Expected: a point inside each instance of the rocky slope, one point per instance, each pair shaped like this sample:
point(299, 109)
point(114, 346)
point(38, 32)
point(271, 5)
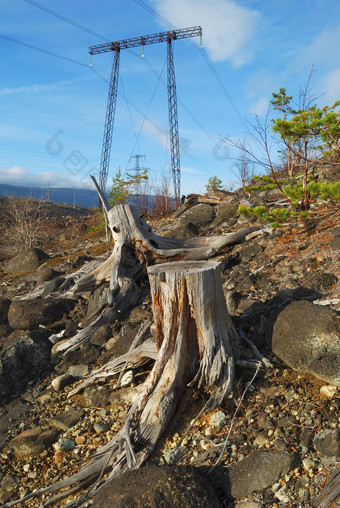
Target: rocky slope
point(280, 442)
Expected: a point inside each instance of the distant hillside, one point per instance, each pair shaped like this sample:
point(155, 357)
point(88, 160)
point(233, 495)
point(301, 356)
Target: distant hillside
point(83, 197)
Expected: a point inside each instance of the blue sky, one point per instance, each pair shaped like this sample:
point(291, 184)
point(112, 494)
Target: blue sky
point(52, 110)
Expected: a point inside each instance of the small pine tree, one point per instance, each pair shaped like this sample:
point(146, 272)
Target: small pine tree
point(214, 184)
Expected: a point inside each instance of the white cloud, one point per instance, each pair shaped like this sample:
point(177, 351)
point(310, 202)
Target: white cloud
point(228, 28)
point(322, 51)
point(19, 175)
point(157, 131)
point(332, 86)
point(41, 88)
point(260, 107)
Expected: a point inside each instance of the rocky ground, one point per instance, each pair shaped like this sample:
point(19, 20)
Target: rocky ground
point(276, 446)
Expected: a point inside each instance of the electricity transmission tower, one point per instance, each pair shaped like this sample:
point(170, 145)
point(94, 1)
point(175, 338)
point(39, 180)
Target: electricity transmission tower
point(137, 188)
point(133, 42)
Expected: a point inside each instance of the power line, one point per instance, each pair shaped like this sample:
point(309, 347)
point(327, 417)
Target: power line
point(41, 50)
point(130, 51)
point(140, 112)
point(131, 120)
point(148, 109)
point(67, 20)
point(206, 58)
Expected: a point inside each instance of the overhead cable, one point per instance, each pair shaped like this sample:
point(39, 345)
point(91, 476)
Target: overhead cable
point(67, 20)
point(41, 50)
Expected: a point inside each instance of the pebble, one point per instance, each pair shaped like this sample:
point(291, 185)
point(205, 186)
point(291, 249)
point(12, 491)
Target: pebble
point(174, 455)
point(60, 382)
point(328, 391)
point(127, 378)
point(59, 456)
point(101, 427)
point(309, 465)
point(66, 445)
point(218, 420)
point(77, 371)
point(80, 440)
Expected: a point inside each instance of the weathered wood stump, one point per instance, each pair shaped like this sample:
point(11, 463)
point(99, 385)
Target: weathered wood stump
point(197, 345)
point(137, 247)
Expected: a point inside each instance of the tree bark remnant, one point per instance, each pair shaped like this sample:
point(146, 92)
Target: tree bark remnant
point(197, 345)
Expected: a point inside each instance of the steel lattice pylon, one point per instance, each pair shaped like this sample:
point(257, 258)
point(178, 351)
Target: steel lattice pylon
point(144, 40)
point(173, 125)
point(109, 122)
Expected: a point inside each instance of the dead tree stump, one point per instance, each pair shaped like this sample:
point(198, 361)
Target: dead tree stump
point(192, 325)
point(197, 345)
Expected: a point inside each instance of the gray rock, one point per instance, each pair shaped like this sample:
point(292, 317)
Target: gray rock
point(186, 230)
point(327, 442)
point(161, 487)
point(97, 396)
point(52, 285)
point(322, 282)
point(67, 420)
point(5, 331)
point(33, 441)
point(99, 428)
point(97, 299)
point(260, 470)
point(9, 482)
point(4, 307)
point(78, 370)
point(198, 215)
point(287, 421)
point(66, 445)
point(307, 338)
point(16, 412)
point(26, 261)
point(59, 383)
point(174, 455)
point(225, 212)
point(101, 335)
point(218, 420)
point(29, 314)
point(25, 357)
point(46, 273)
point(335, 244)
point(251, 251)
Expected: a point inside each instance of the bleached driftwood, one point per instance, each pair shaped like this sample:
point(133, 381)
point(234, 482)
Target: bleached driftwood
point(197, 345)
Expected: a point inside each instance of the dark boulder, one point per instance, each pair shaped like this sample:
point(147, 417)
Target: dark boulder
point(4, 307)
point(46, 273)
point(24, 358)
point(97, 299)
point(52, 285)
point(26, 261)
point(307, 338)
point(199, 215)
point(161, 487)
point(260, 470)
point(33, 441)
point(30, 314)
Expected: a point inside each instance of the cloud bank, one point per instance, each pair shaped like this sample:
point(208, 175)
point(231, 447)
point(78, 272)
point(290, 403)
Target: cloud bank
point(228, 28)
point(19, 175)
